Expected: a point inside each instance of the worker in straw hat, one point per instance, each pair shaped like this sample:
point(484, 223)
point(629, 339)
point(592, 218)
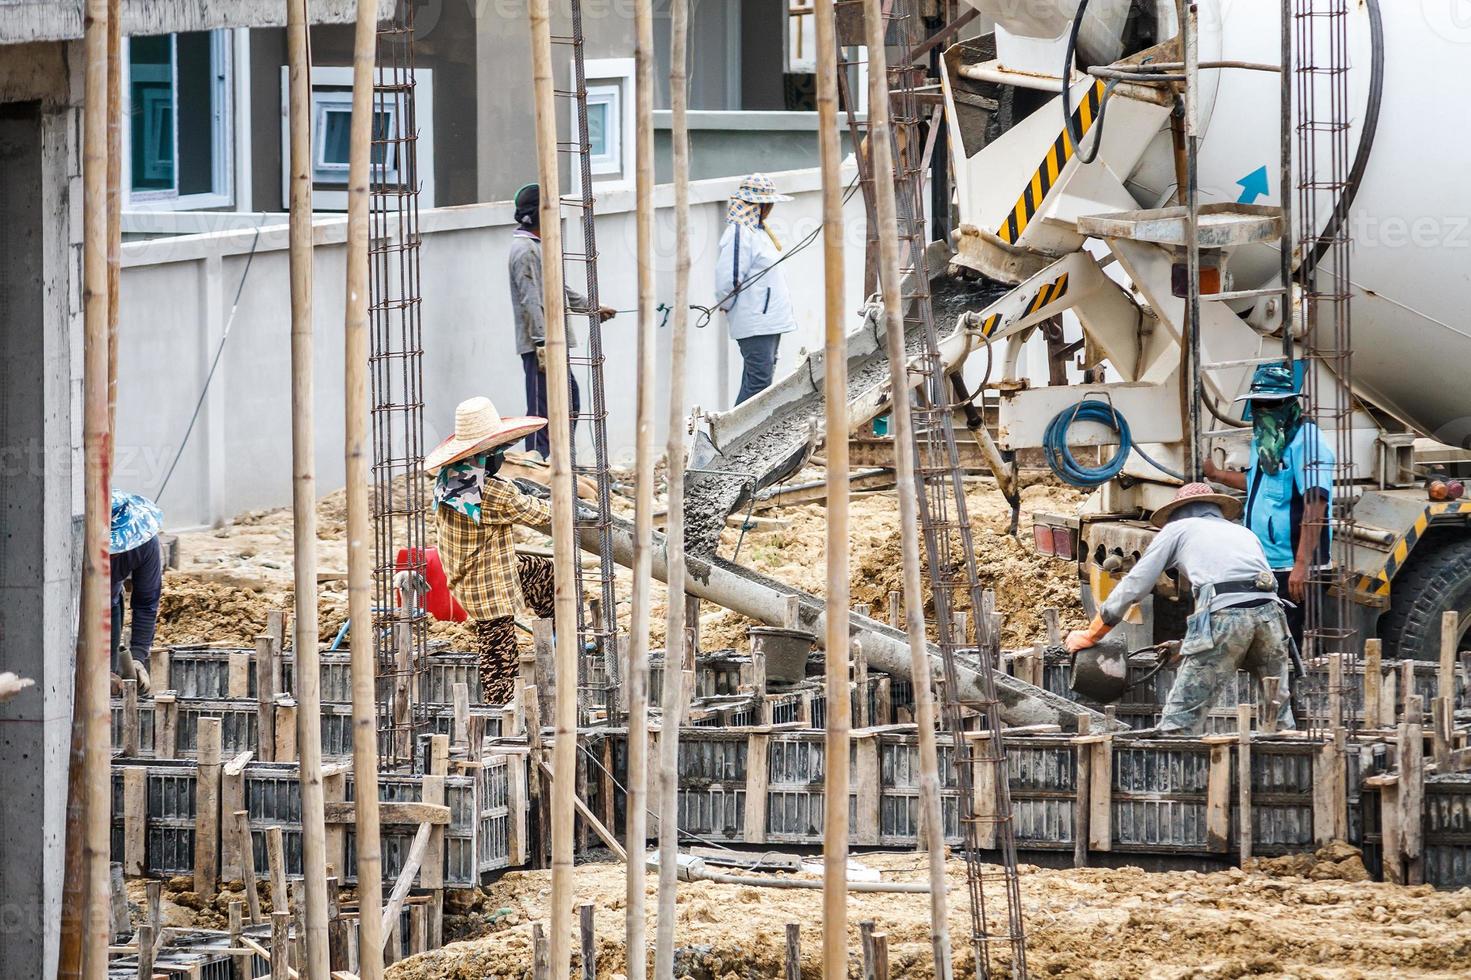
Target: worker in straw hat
point(753, 292)
point(474, 513)
point(1238, 621)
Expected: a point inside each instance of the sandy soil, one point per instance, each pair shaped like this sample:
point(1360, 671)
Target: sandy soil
point(1090, 923)
point(230, 577)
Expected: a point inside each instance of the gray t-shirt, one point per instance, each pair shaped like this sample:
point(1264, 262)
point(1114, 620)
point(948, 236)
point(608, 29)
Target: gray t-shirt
point(1208, 549)
point(527, 304)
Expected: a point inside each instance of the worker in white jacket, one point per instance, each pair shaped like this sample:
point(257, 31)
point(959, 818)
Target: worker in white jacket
point(753, 294)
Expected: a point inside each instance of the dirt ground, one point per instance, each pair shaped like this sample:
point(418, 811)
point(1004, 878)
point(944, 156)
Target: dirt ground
point(228, 578)
point(1297, 917)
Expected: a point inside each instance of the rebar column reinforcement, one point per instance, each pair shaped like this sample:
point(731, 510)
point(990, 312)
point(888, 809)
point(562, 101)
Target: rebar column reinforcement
point(396, 379)
point(945, 522)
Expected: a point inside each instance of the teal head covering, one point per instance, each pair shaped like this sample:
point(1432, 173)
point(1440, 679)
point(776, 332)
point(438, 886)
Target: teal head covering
point(135, 521)
point(1275, 412)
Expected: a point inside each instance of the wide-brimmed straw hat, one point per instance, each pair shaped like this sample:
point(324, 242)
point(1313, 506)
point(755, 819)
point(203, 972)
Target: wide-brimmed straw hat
point(478, 427)
point(759, 189)
point(1197, 493)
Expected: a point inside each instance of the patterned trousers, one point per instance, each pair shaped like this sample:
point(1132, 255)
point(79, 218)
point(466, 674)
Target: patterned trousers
point(494, 640)
point(1252, 639)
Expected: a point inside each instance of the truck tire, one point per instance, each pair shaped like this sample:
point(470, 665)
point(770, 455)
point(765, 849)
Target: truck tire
point(1437, 580)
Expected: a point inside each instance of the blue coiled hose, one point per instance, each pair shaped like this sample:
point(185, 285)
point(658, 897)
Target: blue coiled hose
point(1066, 465)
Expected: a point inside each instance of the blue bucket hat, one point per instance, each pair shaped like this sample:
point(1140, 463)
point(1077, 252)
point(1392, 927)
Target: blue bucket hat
point(135, 521)
point(1277, 382)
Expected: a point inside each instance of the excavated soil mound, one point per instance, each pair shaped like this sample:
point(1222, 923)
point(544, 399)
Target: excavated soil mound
point(1088, 923)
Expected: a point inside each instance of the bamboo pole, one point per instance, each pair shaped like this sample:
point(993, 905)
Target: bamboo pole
point(304, 499)
point(114, 211)
point(886, 211)
point(835, 363)
point(677, 651)
point(94, 649)
point(564, 540)
point(359, 536)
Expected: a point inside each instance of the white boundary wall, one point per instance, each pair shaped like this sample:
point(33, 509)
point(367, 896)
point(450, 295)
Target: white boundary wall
point(177, 295)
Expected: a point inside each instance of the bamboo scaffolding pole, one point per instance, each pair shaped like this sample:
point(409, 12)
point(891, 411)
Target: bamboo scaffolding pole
point(114, 213)
point(94, 654)
point(564, 539)
point(835, 364)
point(359, 534)
point(304, 499)
point(637, 673)
point(677, 650)
point(881, 157)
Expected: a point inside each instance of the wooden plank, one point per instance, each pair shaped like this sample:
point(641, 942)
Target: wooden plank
point(392, 812)
point(1083, 779)
point(145, 951)
point(418, 851)
point(1412, 792)
point(589, 953)
point(881, 956)
point(334, 791)
point(867, 787)
point(1373, 682)
point(1326, 792)
point(165, 725)
point(281, 945)
point(131, 733)
point(207, 808)
point(1450, 639)
point(265, 697)
point(240, 959)
point(1218, 799)
point(604, 834)
point(865, 942)
point(983, 800)
point(794, 951)
point(517, 845)
point(546, 680)
point(757, 777)
point(432, 875)
point(1243, 781)
point(247, 864)
point(285, 729)
point(1390, 815)
point(541, 954)
point(1100, 795)
point(461, 730)
point(276, 857)
point(135, 819)
point(118, 895)
point(232, 799)
point(418, 929)
point(237, 678)
point(1441, 717)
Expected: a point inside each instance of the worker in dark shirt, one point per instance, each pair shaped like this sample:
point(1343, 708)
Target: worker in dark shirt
point(137, 559)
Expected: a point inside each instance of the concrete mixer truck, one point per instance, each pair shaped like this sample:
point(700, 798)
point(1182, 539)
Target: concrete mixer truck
point(1070, 193)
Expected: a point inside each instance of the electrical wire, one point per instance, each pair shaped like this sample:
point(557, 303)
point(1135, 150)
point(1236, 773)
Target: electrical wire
point(214, 364)
point(1062, 461)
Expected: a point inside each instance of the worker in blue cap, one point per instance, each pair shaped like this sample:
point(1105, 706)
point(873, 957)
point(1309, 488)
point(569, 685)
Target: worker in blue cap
point(1289, 484)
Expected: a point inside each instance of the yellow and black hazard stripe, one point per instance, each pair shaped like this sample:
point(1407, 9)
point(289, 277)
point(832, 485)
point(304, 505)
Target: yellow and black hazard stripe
point(1054, 290)
point(1045, 176)
point(1377, 583)
point(989, 325)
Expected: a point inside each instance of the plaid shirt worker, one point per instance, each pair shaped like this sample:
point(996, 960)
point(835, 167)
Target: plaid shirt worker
point(480, 559)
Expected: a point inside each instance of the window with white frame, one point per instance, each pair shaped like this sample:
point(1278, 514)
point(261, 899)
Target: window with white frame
point(610, 122)
point(178, 148)
point(332, 126)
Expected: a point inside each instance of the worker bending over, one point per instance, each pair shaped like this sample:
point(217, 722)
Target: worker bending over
point(474, 513)
point(1237, 623)
point(136, 563)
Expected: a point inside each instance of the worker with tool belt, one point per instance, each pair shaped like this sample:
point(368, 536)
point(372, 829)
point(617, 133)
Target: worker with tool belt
point(1289, 485)
point(474, 515)
point(752, 290)
point(1237, 623)
point(528, 309)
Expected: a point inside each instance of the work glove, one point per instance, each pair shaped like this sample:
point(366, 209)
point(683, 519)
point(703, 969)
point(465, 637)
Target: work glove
point(541, 357)
point(1085, 638)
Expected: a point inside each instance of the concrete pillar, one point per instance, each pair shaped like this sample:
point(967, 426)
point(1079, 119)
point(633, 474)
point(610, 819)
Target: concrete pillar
point(39, 306)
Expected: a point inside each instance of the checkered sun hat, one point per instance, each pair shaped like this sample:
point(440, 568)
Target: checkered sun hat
point(759, 189)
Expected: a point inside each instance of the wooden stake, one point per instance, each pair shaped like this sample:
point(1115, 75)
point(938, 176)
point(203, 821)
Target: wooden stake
point(265, 696)
point(276, 858)
point(207, 809)
point(308, 677)
point(130, 720)
point(247, 864)
point(1243, 779)
point(865, 941)
point(240, 961)
point(145, 952)
point(679, 656)
point(835, 383)
point(1082, 761)
point(794, 951)
point(541, 958)
point(1450, 639)
point(1412, 792)
point(359, 532)
point(881, 956)
point(886, 212)
point(118, 901)
point(589, 960)
point(280, 944)
point(564, 540)
point(1373, 682)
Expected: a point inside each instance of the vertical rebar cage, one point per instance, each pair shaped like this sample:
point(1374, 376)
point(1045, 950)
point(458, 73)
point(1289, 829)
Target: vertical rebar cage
point(597, 662)
point(1318, 77)
point(997, 931)
point(396, 378)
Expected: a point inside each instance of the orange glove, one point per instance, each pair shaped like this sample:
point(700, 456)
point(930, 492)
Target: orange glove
point(1083, 639)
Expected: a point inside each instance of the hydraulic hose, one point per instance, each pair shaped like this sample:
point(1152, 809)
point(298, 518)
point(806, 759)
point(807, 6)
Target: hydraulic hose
point(1067, 95)
point(1062, 461)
